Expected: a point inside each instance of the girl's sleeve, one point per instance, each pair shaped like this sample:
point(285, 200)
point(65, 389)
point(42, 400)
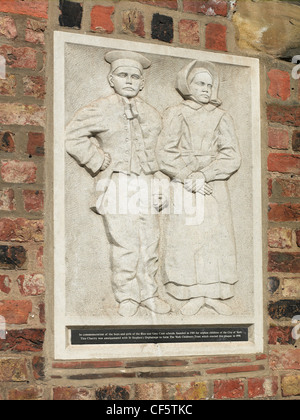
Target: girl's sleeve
point(228, 160)
point(169, 153)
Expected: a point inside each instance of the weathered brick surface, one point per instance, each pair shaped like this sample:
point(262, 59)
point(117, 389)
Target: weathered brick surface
point(284, 212)
point(189, 32)
point(22, 114)
point(17, 172)
point(206, 7)
point(20, 57)
point(71, 394)
point(290, 386)
point(13, 370)
point(33, 200)
point(15, 312)
point(278, 138)
point(8, 27)
point(284, 163)
point(25, 340)
point(231, 388)
point(37, 8)
point(12, 257)
point(286, 115)
point(216, 37)
point(280, 84)
point(101, 19)
point(133, 23)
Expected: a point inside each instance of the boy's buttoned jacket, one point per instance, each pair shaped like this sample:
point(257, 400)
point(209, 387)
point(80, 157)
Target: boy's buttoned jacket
point(109, 125)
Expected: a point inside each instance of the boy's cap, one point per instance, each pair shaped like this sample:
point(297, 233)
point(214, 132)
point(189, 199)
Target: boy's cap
point(127, 58)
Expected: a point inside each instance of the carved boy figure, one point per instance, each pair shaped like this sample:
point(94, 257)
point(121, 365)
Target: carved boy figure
point(117, 136)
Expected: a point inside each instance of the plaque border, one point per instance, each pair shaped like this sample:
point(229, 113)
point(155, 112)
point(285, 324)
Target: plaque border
point(63, 350)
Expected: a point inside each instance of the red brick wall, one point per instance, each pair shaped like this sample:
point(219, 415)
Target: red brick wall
point(27, 370)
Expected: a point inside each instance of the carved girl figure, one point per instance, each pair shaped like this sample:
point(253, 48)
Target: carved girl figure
point(198, 143)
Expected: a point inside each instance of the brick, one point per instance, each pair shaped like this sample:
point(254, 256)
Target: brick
point(194, 391)
point(278, 138)
point(289, 359)
point(291, 287)
point(113, 392)
point(38, 366)
point(22, 114)
point(235, 369)
point(273, 284)
point(34, 86)
point(286, 115)
point(290, 386)
point(280, 335)
point(156, 363)
point(15, 311)
point(18, 341)
point(31, 284)
point(35, 31)
point(12, 257)
point(88, 365)
point(8, 86)
point(232, 388)
point(280, 84)
point(5, 284)
point(287, 187)
point(206, 7)
point(42, 313)
point(189, 32)
point(36, 8)
point(296, 141)
point(21, 230)
point(270, 187)
point(287, 308)
point(133, 23)
point(284, 163)
point(221, 360)
point(168, 4)
point(18, 172)
point(149, 392)
point(169, 374)
point(22, 57)
point(35, 145)
point(280, 238)
point(162, 28)
point(216, 35)
point(262, 387)
point(284, 212)
point(71, 14)
point(101, 19)
point(284, 262)
point(33, 200)
point(39, 257)
point(71, 394)
point(8, 27)
point(7, 142)
point(28, 394)
point(7, 200)
point(13, 370)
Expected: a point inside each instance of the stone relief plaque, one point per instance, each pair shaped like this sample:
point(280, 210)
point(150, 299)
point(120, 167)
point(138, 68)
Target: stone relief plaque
point(157, 200)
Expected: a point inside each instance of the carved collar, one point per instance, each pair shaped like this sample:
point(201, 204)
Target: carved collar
point(196, 106)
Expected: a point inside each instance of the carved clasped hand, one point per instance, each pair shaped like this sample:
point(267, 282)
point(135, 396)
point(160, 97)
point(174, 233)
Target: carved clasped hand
point(196, 184)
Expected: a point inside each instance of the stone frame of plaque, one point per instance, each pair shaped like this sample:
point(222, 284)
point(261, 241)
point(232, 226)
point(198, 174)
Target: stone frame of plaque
point(87, 324)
